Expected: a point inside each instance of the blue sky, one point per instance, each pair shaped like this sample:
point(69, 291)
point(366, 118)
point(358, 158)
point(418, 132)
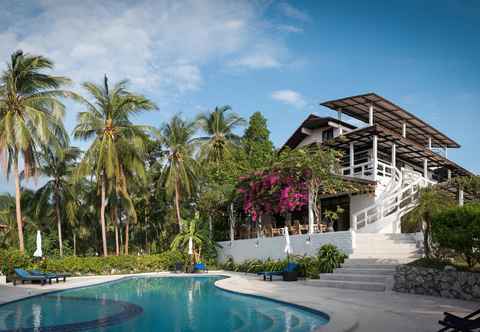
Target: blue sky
point(280, 58)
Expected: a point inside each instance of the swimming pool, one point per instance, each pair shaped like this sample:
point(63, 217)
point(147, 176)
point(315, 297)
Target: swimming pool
point(155, 304)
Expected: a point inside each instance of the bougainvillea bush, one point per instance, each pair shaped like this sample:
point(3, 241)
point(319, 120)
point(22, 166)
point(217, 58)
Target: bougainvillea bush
point(272, 191)
point(296, 175)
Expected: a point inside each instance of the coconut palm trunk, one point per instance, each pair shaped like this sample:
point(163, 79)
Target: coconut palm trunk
point(126, 236)
point(74, 244)
point(59, 223)
point(102, 217)
point(18, 207)
point(177, 204)
point(113, 216)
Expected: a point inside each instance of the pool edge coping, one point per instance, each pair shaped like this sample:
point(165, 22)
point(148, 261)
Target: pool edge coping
point(337, 322)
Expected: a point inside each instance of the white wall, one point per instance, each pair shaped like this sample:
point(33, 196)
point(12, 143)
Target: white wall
point(273, 247)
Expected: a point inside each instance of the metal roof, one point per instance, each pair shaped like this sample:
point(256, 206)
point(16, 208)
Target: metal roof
point(391, 116)
point(312, 122)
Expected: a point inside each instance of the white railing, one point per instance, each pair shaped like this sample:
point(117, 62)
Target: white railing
point(363, 170)
point(377, 210)
point(400, 196)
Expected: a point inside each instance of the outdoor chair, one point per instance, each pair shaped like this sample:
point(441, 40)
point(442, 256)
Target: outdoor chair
point(200, 267)
point(288, 273)
point(471, 322)
point(51, 276)
point(23, 276)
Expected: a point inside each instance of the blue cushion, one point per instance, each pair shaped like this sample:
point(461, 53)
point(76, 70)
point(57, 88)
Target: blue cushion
point(291, 267)
point(22, 273)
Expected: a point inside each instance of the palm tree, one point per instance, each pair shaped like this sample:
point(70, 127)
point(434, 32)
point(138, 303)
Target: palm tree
point(220, 138)
point(430, 201)
point(57, 165)
point(107, 121)
point(181, 167)
point(198, 232)
point(30, 115)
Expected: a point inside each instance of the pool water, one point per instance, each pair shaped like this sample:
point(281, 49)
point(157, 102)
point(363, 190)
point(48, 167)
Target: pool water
point(155, 304)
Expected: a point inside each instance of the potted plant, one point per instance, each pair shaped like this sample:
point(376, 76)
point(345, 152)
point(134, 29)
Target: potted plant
point(332, 216)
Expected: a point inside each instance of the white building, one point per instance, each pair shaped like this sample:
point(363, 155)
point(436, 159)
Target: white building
point(393, 150)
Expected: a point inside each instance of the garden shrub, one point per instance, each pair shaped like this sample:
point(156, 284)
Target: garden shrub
point(309, 266)
point(10, 259)
point(458, 229)
point(330, 258)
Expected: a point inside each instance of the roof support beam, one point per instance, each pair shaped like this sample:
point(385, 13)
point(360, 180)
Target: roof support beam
point(370, 115)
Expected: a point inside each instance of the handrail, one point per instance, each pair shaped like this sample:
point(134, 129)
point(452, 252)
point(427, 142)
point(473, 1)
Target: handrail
point(394, 199)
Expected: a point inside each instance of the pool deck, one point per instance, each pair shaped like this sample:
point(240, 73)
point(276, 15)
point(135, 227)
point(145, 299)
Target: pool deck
point(348, 310)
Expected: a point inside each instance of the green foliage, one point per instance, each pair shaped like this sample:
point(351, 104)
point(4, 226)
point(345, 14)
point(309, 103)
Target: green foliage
point(256, 143)
point(330, 258)
point(203, 246)
point(431, 201)
point(439, 264)
point(220, 139)
point(458, 229)
point(10, 259)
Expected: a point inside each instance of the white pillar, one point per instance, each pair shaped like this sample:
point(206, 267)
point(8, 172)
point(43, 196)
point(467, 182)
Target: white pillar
point(449, 174)
point(370, 115)
point(460, 197)
point(232, 223)
point(311, 217)
point(404, 129)
point(394, 155)
point(340, 128)
point(352, 158)
point(375, 156)
point(445, 151)
point(425, 168)
point(429, 142)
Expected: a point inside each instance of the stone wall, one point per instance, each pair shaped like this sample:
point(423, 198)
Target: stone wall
point(450, 284)
point(273, 247)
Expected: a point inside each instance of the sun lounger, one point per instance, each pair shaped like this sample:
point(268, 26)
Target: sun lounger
point(23, 276)
point(51, 276)
point(291, 267)
point(270, 274)
point(468, 323)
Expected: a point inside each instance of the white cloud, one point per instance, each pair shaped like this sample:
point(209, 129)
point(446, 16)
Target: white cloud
point(289, 97)
point(158, 45)
point(290, 28)
point(292, 12)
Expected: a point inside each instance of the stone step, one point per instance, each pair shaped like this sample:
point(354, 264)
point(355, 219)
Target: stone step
point(403, 257)
point(350, 270)
point(388, 261)
point(354, 277)
point(356, 285)
point(393, 248)
point(369, 266)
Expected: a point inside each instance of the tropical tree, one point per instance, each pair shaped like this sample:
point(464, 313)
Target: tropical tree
point(30, 115)
point(57, 165)
point(219, 126)
point(180, 167)
point(117, 142)
point(431, 200)
point(196, 230)
point(256, 143)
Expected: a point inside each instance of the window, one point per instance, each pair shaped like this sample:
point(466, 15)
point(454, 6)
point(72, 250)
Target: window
point(327, 134)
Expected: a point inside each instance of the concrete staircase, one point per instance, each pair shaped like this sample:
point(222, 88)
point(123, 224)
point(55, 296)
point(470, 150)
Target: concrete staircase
point(372, 264)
